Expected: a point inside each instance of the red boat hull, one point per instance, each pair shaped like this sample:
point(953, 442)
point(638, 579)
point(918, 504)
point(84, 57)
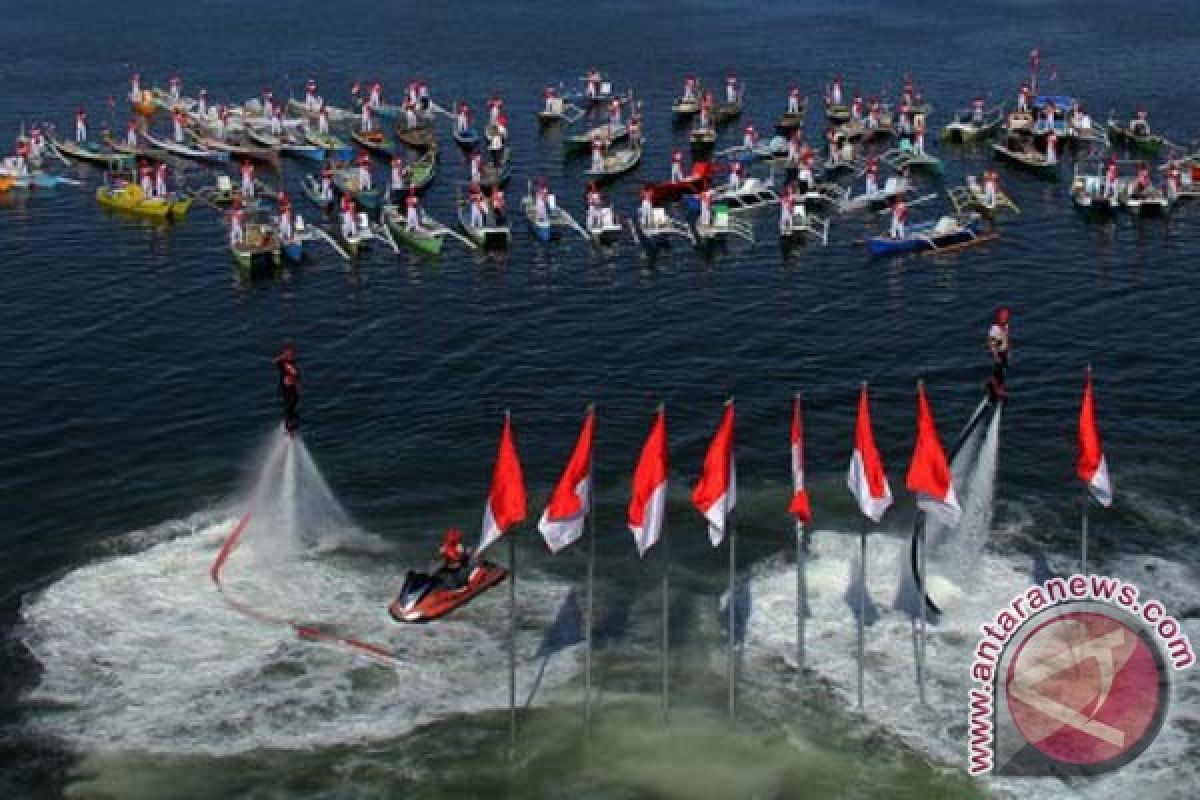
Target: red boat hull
point(673, 191)
point(439, 602)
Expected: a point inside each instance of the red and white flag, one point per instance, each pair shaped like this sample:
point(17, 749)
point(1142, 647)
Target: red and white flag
point(563, 520)
point(866, 478)
point(715, 494)
point(506, 500)
point(649, 500)
point(1092, 468)
point(799, 507)
point(928, 473)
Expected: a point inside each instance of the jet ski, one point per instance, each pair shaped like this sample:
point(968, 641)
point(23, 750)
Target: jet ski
point(424, 596)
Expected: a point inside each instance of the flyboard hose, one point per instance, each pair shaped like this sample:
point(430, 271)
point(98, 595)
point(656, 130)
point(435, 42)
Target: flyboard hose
point(308, 631)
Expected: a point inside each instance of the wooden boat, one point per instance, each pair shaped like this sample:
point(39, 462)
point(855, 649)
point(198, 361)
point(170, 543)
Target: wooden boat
point(311, 186)
point(945, 233)
point(418, 175)
point(683, 110)
point(333, 113)
point(582, 142)
point(91, 153)
point(1148, 202)
point(417, 137)
point(468, 140)
point(655, 233)
point(184, 151)
point(751, 194)
point(131, 199)
point(724, 113)
point(259, 247)
point(138, 152)
point(837, 113)
point(547, 228)
point(1020, 150)
point(902, 158)
point(603, 228)
point(616, 163)
point(345, 181)
point(1143, 143)
point(491, 175)
point(896, 186)
point(333, 146)
point(965, 128)
point(557, 111)
point(702, 139)
point(493, 233)
point(288, 144)
point(293, 247)
point(805, 226)
point(972, 197)
point(360, 240)
point(1088, 196)
point(236, 149)
point(789, 122)
point(721, 227)
point(673, 191)
point(603, 94)
point(374, 141)
point(425, 239)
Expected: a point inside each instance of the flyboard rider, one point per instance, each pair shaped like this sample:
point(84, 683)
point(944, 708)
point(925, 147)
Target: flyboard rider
point(998, 346)
point(289, 386)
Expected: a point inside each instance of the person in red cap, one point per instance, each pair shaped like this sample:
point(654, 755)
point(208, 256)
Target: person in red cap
point(456, 560)
point(998, 346)
point(289, 386)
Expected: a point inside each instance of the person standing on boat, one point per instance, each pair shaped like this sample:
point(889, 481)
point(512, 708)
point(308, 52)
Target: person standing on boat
point(463, 120)
point(276, 120)
point(873, 116)
point(1141, 184)
point(412, 217)
point(202, 103)
point(899, 216)
point(349, 217)
point(872, 177)
point(222, 121)
point(646, 209)
point(160, 181)
point(135, 88)
point(174, 86)
point(131, 134)
point(990, 185)
point(551, 106)
point(595, 207)
point(1052, 147)
point(80, 125)
point(364, 172)
point(856, 108)
point(749, 138)
point(906, 94)
point(494, 106)
point(787, 206)
point(237, 228)
point(635, 131)
point(1140, 124)
point(1023, 98)
point(835, 91)
point(793, 104)
point(247, 171)
point(732, 93)
point(919, 134)
point(21, 152)
point(614, 115)
point(804, 175)
point(398, 182)
point(793, 150)
point(677, 167)
point(1110, 179)
point(177, 121)
point(541, 207)
point(268, 97)
point(706, 199)
point(323, 120)
point(475, 167)
point(366, 117)
point(289, 386)
point(327, 183)
point(735, 175)
point(597, 154)
point(311, 103)
point(286, 226)
point(423, 99)
point(998, 343)
point(376, 96)
point(455, 568)
point(689, 89)
point(496, 143)
point(475, 205)
point(1173, 181)
point(499, 209)
point(977, 111)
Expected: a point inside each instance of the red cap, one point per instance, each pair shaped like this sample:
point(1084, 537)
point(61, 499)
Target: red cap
point(453, 536)
point(1002, 315)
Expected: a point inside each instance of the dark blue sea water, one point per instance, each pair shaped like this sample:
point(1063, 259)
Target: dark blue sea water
point(140, 393)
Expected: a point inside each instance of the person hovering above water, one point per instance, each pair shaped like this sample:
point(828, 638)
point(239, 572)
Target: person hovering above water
point(454, 569)
point(289, 386)
point(999, 345)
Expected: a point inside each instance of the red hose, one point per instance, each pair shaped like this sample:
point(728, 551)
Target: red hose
point(308, 631)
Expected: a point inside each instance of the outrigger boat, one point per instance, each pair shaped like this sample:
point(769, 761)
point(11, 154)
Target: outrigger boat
point(360, 239)
point(603, 228)
point(425, 238)
point(345, 181)
point(374, 141)
point(1125, 136)
point(91, 153)
point(966, 128)
point(673, 191)
point(721, 227)
point(137, 152)
point(311, 185)
point(1020, 150)
point(545, 228)
point(896, 186)
point(293, 246)
point(580, 143)
point(972, 197)
point(1150, 201)
point(790, 122)
point(684, 109)
point(727, 112)
point(289, 143)
point(946, 233)
point(804, 226)
point(1090, 195)
point(200, 153)
point(334, 147)
point(491, 175)
point(702, 138)
point(656, 232)
point(493, 233)
point(131, 199)
point(238, 149)
point(332, 113)
point(905, 157)
point(260, 246)
point(223, 194)
point(417, 176)
point(751, 194)
point(616, 163)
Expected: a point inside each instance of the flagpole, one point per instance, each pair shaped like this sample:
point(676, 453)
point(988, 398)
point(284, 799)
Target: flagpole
point(1083, 532)
point(666, 625)
point(862, 610)
point(921, 660)
point(732, 618)
point(512, 637)
point(801, 598)
point(587, 622)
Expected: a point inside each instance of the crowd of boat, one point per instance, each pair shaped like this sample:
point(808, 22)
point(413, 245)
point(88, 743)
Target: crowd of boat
point(872, 154)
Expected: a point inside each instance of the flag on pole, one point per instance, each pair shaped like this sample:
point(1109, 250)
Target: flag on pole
point(715, 494)
point(1092, 468)
point(649, 499)
point(928, 473)
point(866, 478)
point(799, 507)
point(506, 500)
point(563, 520)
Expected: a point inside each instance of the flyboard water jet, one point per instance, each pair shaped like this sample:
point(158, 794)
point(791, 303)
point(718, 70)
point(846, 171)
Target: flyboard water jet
point(282, 454)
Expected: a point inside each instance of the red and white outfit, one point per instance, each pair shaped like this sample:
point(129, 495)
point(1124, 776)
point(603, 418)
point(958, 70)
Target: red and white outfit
point(147, 180)
point(731, 89)
point(160, 181)
point(749, 138)
point(364, 173)
point(677, 175)
point(397, 174)
point(977, 110)
point(237, 230)
point(131, 134)
point(366, 118)
point(597, 155)
point(412, 217)
point(793, 104)
point(735, 175)
point(989, 188)
point(247, 180)
point(1051, 148)
point(177, 122)
point(872, 177)
point(81, 125)
point(286, 228)
point(835, 92)
point(899, 216)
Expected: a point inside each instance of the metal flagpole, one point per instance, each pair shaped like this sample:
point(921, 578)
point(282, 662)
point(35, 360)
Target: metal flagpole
point(666, 637)
point(921, 660)
point(512, 645)
point(862, 610)
point(587, 621)
point(732, 619)
point(1083, 533)
point(801, 597)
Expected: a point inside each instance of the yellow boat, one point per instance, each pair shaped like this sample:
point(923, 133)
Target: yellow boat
point(6, 182)
point(131, 198)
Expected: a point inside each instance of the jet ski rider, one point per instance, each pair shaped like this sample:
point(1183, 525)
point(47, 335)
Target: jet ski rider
point(456, 561)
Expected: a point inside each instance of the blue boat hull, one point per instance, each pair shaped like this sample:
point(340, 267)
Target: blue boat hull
point(316, 154)
point(293, 252)
point(885, 245)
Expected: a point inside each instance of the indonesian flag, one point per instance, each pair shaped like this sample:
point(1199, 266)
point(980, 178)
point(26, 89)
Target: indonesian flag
point(1092, 468)
point(715, 494)
point(562, 521)
point(649, 499)
point(799, 506)
point(506, 500)
point(928, 473)
point(866, 478)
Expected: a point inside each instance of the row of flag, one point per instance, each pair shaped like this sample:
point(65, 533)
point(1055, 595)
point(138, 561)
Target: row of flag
point(715, 493)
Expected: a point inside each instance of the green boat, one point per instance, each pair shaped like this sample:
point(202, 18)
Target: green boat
point(1148, 143)
point(1020, 151)
point(426, 239)
point(260, 247)
point(582, 142)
